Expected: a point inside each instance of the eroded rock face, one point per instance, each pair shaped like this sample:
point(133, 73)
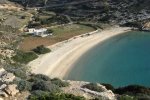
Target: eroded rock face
point(11, 90)
point(3, 94)
point(7, 89)
point(146, 26)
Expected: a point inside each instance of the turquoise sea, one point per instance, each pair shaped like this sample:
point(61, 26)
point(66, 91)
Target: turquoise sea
point(121, 60)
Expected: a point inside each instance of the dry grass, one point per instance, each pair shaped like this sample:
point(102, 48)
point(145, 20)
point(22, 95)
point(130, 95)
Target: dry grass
point(13, 18)
point(59, 34)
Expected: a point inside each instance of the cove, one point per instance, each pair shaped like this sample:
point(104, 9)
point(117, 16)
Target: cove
point(121, 60)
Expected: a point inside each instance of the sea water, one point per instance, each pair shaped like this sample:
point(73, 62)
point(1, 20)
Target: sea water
point(121, 60)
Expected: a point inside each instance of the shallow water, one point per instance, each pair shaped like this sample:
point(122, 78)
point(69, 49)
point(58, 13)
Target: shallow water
point(121, 60)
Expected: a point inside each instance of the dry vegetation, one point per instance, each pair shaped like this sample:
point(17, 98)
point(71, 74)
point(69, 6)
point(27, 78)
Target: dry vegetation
point(59, 34)
point(14, 19)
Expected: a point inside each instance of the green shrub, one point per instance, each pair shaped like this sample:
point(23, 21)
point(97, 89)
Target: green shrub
point(70, 97)
point(24, 85)
point(22, 17)
point(59, 82)
point(33, 25)
point(41, 50)
point(45, 86)
point(40, 77)
point(24, 57)
point(42, 95)
point(133, 90)
point(44, 21)
point(99, 98)
point(17, 69)
point(133, 24)
point(108, 86)
point(93, 86)
point(125, 97)
point(50, 31)
point(38, 95)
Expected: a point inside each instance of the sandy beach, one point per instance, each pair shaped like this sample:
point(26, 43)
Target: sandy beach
point(64, 54)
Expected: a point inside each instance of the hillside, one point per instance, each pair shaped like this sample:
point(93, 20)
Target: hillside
point(116, 11)
point(65, 19)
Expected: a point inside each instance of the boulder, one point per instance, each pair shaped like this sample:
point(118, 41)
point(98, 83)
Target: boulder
point(146, 26)
point(2, 70)
point(7, 77)
point(3, 94)
point(1, 98)
point(11, 90)
point(3, 86)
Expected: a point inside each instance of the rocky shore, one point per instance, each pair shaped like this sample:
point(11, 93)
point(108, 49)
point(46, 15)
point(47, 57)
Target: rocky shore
point(9, 90)
point(76, 88)
point(6, 87)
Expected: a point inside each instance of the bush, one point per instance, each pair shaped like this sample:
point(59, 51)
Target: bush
point(17, 69)
point(108, 86)
point(133, 24)
point(22, 17)
point(38, 77)
point(41, 95)
point(38, 95)
point(89, 25)
point(44, 21)
point(24, 85)
point(50, 31)
point(45, 86)
point(93, 86)
point(125, 97)
point(59, 82)
point(41, 50)
point(133, 90)
point(20, 73)
point(33, 25)
point(70, 97)
point(24, 57)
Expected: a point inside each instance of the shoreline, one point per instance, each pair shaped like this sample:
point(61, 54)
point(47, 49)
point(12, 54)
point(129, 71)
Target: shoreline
point(60, 61)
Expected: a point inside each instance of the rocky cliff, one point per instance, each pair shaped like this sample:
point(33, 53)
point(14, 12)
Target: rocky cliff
point(10, 90)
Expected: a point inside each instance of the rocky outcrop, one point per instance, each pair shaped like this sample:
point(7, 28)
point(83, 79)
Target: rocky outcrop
point(5, 4)
point(3, 86)
point(11, 90)
point(2, 44)
point(1, 99)
point(6, 88)
point(6, 77)
point(76, 88)
point(3, 94)
point(146, 26)
point(6, 53)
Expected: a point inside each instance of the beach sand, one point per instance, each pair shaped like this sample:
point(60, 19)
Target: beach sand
point(59, 62)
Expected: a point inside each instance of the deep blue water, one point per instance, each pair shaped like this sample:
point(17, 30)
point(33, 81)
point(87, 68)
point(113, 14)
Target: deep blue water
point(121, 60)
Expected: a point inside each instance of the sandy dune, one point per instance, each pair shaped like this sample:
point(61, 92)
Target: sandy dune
point(64, 54)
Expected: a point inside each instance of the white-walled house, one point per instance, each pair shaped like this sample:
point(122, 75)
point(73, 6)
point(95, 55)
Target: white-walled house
point(39, 32)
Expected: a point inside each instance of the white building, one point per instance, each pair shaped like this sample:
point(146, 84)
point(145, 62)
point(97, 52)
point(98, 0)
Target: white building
point(39, 32)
